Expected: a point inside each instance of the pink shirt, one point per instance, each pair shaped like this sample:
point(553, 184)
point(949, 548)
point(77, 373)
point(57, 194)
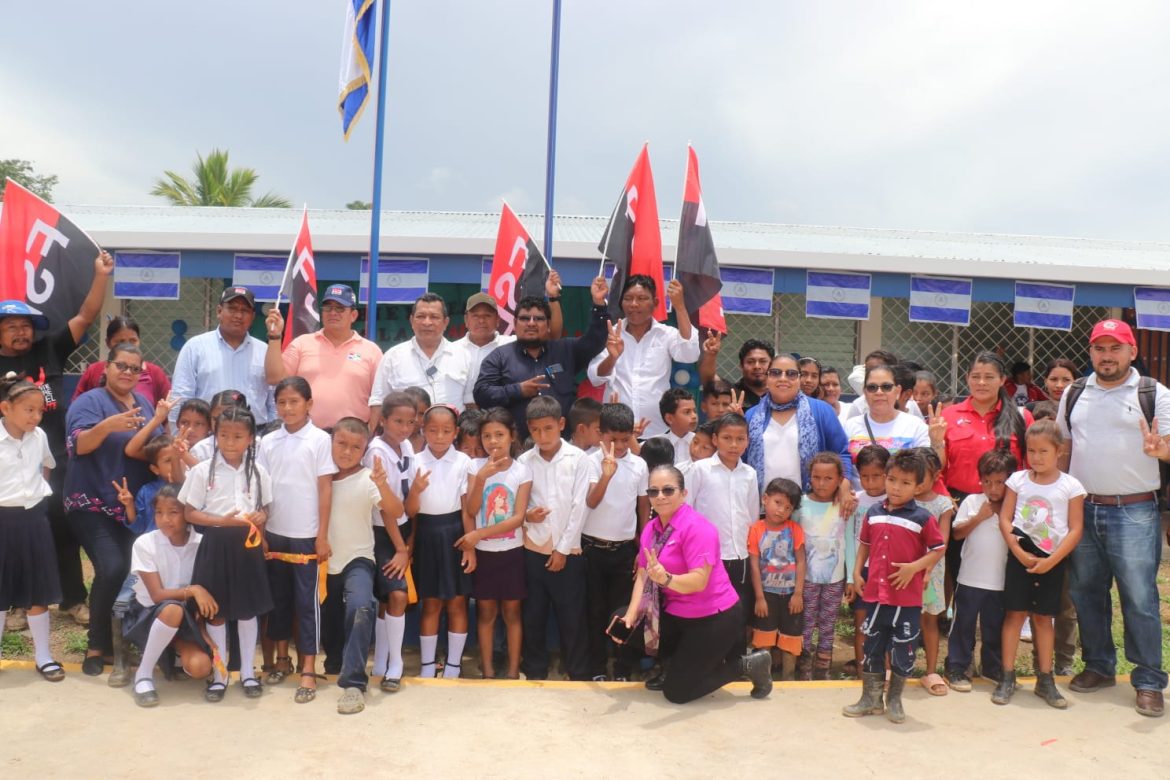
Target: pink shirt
point(693, 543)
point(341, 377)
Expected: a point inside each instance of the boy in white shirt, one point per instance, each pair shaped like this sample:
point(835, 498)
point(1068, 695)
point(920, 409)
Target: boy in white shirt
point(979, 588)
point(677, 407)
point(553, 563)
point(617, 508)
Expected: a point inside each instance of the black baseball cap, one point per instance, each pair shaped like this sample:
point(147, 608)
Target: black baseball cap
point(231, 293)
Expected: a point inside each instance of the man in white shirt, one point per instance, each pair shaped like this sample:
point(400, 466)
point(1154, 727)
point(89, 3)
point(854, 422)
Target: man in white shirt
point(483, 335)
point(428, 361)
point(637, 362)
point(1115, 456)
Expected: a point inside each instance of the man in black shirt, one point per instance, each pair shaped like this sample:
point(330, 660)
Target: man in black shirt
point(43, 361)
point(535, 365)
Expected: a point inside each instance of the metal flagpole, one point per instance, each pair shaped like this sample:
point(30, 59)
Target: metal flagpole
point(551, 159)
point(376, 204)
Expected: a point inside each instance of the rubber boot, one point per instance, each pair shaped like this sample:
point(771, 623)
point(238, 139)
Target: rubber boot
point(120, 676)
point(894, 711)
point(821, 665)
point(1046, 690)
point(1006, 687)
point(787, 666)
point(870, 702)
point(757, 667)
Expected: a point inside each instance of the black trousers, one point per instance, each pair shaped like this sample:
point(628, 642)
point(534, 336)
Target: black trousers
point(609, 579)
point(107, 543)
point(701, 654)
point(564, 592)
point(986, 606)
point(68, 548)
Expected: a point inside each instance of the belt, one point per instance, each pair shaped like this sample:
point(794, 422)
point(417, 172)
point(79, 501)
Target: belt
point(603, 544)
point(1126, 500)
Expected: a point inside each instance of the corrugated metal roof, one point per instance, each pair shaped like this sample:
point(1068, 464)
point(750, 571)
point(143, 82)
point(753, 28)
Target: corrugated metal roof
point(739, 243)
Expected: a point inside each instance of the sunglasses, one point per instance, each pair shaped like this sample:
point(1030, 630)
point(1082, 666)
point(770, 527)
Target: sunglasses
point(126, 368)
point(667, 491)
point(885, 387)
point(789, 373)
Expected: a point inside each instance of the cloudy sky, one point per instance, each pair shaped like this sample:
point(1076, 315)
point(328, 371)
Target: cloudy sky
point(1041, 117)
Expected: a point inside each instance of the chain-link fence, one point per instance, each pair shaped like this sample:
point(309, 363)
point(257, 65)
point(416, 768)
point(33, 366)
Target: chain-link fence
point(167, 325)
point(740, 328)
point(88, 351)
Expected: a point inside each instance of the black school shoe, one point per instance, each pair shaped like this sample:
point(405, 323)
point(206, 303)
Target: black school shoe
point(147, 698)
point(93, 665)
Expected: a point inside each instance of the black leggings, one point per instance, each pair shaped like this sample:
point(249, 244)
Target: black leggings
point(107, 543)
point(703, 653)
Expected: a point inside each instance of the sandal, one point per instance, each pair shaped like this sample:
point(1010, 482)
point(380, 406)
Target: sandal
point(934, 684)
point(52, 671)
point(214, 692)
point(252, 687)
point(304, 695)
point(277, 673)
point(391, 684)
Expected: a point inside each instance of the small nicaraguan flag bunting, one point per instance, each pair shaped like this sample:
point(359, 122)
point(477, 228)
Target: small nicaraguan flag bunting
point(747, 290)
point(667, 275)
point(147, 275)
point(1048, 306)
point(940, 299)
point(400, 280)
point(837, 296)
point(485, 275)
point(1152, 306)
point(262, 274)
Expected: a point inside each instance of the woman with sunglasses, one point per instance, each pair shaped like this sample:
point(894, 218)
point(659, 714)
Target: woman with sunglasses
point(98, 426)
point(153, 382)
point(882, 423)
point(684, 603)
point(787, 428)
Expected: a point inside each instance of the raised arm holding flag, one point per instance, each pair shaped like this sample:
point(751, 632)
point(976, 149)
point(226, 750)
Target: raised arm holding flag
point(633, 237)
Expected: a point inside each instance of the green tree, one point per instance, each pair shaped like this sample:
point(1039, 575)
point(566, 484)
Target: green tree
point(21, 172)
point(359, 205)
point(215, 184)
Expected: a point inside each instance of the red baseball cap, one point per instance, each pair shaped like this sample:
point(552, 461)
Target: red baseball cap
point(1114, 329)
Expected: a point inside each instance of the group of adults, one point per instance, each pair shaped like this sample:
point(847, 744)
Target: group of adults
point(630, 360)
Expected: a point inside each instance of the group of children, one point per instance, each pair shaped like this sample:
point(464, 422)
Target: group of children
point(261, 531)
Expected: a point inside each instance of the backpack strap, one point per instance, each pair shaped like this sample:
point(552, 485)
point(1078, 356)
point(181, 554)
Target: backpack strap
point(1071, 394)
point(1147, 394)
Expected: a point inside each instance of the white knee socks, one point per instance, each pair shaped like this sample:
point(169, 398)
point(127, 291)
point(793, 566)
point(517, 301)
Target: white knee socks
point(39, 626)
point(160, 637)
point(248, 630)
point(379, 669)
point(218, 635)
point(455, 643)
point(395, 628)
point(427, 646)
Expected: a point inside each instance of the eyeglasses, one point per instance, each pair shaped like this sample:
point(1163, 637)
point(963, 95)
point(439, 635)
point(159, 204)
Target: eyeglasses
point(537, 318)
point(789, 373)
point(667, 491)
point(125, 368)
point(885, 387)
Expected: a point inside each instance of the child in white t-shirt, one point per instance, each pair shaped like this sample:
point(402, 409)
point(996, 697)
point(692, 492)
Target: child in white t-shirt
point(1042, 521)
point(979, 588)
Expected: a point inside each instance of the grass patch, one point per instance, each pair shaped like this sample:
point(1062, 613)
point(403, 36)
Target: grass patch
point(77, 642)
point(15, 644)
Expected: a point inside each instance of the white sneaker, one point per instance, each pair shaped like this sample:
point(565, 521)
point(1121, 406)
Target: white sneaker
point(352, 701)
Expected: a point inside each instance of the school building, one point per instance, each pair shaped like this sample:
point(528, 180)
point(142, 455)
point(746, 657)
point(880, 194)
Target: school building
point(216, 245)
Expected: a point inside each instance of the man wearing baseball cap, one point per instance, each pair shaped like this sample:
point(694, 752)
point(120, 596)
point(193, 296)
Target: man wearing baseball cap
point(43, 361)
point(226, 358)
point(338, 363)
point(1115, 454)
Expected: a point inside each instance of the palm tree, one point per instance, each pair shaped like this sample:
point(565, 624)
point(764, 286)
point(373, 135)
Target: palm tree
point(215, 185)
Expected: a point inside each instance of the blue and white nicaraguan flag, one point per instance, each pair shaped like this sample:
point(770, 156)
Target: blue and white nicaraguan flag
point(262, 274)
point(485, 275)
point(940, 299)
point(1048, 306)
point(1152, 306)
point(147, 275)
point(747, 290)
point(357, 54)
point(400, 280)
point(838, 296)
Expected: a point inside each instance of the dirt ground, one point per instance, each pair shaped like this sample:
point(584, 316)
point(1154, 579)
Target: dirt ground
point(522, 729)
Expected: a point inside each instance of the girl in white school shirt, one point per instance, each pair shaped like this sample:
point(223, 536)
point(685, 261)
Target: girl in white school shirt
point(28, 559)
point(227, 497)
point(442, 572)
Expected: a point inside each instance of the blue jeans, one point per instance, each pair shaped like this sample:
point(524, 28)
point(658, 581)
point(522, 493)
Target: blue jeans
point(355, 584)
point(1122, 543)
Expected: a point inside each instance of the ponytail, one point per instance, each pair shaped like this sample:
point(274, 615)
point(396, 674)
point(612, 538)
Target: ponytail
point(13, 386)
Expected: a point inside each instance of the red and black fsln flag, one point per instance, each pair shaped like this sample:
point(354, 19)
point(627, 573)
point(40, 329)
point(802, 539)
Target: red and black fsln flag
point(696, 265)
point(633, 237)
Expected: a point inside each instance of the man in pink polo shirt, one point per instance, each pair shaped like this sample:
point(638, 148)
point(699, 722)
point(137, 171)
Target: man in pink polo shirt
point(338, 363)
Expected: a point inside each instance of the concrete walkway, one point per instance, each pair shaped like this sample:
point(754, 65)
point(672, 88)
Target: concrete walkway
point(438, 728)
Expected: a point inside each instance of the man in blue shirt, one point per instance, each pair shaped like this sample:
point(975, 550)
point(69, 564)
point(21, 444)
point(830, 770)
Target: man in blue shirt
point(226, 358)
point(536, 365)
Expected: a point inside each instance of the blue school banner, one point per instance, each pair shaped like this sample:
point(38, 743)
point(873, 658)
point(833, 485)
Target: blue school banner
point(837, 296)
point(1152, 306)
point(400, 279)
point(152, 276)
point(1047, 306)
point(940, 299)
point(262, 274)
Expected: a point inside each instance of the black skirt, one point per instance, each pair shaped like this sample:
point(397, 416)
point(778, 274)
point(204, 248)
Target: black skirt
point(234, 575)
point(383, 552)
point(138, 620)
point(28, 559)
point(437, 570)
point(499, 575)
